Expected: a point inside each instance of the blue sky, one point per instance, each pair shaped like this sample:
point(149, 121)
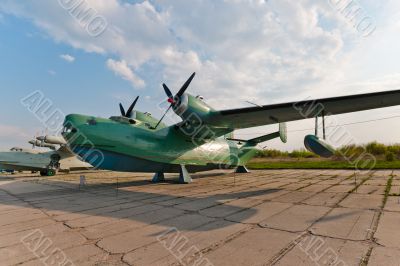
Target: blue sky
point(265, 52)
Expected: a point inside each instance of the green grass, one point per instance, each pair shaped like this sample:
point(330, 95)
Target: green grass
point(387, 190)
point(379, 150)
point(317, 165)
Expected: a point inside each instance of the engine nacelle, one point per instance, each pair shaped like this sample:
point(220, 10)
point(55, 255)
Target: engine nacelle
point(318, 146)
point(53, 140)
point(38, 143)
point(192, 109)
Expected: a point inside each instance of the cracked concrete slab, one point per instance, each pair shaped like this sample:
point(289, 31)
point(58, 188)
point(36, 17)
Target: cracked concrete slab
point(234, 206)
point(346, 223)
point(362, 201)
point(294, 197)
point(384, 256)
point(134, 239)
point(259, 213)
point(325, 199)
point(316, 250)
point(165, 251)
point(393, 204)
point(251, 248)
point(296, 218)
point(388, 233)
point(221, 218)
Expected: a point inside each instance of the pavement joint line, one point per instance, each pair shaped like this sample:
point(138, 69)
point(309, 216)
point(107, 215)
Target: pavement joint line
point(120, 255)
point(186, 212)
point(277, 257)
point(49, 216)
point(244, 189)
point(364, 261)
point(100, 207)
point(129, 229)
point(286, 249)
point(155, 241)
point(118, 219)
point(90, 209)
point(255, 184)
point(339, 238)
point(220, 243)
point(293, 204)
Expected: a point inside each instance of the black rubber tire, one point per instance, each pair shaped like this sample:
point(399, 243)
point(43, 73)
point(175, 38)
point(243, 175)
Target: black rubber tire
point(51, 172)
point(43, 173)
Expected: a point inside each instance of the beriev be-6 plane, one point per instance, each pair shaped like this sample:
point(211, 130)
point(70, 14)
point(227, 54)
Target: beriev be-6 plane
point(203, 140)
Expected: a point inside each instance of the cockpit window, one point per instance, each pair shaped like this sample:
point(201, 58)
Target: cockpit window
point(68, 129)
point(92, 122)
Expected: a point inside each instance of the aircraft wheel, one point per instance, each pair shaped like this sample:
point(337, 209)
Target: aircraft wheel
point(43, 173)
point(48, 172)
point(51, 172)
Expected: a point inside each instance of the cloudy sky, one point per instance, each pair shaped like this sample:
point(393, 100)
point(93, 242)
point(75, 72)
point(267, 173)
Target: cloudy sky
point(242, 50)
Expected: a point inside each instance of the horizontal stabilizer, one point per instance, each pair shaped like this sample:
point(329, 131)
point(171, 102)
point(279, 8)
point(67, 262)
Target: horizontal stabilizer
point(258, 139)
point(282, 134)
point(264, 138)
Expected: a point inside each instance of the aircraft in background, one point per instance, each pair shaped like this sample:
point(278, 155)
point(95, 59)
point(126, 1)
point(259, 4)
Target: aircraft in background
point(45, 162)
point(137, 142)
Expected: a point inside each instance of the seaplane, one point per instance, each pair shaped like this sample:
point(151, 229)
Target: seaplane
point(137, 142)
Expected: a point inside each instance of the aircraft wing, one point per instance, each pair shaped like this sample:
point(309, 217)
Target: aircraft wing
point(277, 113)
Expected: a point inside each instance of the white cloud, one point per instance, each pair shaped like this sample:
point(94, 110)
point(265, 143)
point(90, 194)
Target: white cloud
point(121, 69)
point(68, 58)
point(263, 51)
point(51, 72)
point(254, 49)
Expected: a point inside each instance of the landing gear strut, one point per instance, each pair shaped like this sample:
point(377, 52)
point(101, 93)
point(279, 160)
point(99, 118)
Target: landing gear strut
point(184, 177)
point(158, 177)
point(241, 169)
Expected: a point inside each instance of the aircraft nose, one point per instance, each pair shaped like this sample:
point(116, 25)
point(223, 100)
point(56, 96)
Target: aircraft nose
point(72, 124)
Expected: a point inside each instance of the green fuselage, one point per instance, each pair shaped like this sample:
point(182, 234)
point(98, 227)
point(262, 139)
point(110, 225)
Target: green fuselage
point(124, 144)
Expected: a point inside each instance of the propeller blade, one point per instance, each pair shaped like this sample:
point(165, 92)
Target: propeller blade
point(168, 91)
point(129, 112)
point(173, 99)
point(163, 117)
point(122, 110)
point(185, 86)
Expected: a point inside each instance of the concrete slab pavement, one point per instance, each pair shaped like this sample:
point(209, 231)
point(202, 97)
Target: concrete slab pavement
point(262, 218)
